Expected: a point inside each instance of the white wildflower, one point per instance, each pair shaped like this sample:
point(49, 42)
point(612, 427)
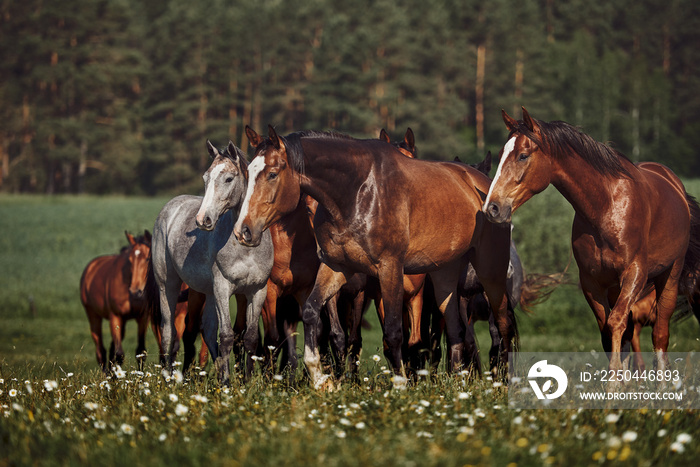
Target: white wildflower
point(181, 410)
point(629, 436)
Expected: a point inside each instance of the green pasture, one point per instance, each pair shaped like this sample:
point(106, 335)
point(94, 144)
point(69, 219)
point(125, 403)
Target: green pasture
point(57, 409)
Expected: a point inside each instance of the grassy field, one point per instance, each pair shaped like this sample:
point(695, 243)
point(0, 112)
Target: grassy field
point(57, 409)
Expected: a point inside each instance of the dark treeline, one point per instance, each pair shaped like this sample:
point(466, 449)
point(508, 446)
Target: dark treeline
point(120, 96)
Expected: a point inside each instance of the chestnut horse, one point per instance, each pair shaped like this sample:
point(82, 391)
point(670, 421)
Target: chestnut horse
point(112, 288)
point(632, 224)
point(382, 214)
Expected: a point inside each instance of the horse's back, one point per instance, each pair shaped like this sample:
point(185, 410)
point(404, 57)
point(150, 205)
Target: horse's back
point(444, 197)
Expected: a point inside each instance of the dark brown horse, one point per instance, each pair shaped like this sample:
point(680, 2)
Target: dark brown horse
point(293, 274)
point(632, 225)
point(112, 289)
point(380, 214)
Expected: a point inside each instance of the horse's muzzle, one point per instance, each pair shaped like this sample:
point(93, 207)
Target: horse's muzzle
point(245, 236)
point(205, 223)
point(497, 213)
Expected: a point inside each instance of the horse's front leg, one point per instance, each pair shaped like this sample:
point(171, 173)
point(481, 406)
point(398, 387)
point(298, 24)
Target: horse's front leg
point(391, 286)
point(141, 347)
point(632, 283)
point(445, 285)
point(252, 333)
point(328, 283)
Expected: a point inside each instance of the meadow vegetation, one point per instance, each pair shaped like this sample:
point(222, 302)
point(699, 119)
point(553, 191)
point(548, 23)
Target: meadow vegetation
point(56, 408)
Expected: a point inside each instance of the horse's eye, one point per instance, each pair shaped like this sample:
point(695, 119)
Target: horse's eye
point(523, 156)
point(228, 179)
point(272, 175)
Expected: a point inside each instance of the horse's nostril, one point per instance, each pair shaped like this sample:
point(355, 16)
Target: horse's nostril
point(247, 235)
point(493, 209)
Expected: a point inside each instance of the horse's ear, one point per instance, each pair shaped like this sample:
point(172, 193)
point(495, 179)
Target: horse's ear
point(254, 138)
point(148, 237)
point(510, 122)
point(410, 139)
point(237, 155)
point(456, 159)
point(213, 152)
point(130, 238)
point(487, 163)
point(272, 134)
point(384, 136)
point(529, 122)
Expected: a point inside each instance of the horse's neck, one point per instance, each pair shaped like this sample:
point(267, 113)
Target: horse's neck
point(587, 190)
point(322, 182)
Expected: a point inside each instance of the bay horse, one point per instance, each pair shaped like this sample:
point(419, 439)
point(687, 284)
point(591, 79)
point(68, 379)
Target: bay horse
point(193, 243)
point(112, 289)
point(382, 214)
point(634, 224)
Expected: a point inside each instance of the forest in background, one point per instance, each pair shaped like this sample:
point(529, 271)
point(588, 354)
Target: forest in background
point(119, 96)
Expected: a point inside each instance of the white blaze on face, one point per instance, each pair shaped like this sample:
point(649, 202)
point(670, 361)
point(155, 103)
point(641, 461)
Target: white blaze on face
point(507, 149)
point(209, 193)
point(254, 169)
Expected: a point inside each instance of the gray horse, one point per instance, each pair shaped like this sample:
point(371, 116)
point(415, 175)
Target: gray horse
point(193, 242)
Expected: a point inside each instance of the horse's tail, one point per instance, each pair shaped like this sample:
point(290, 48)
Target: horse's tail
point(690, 276)
point(152, 296)
point(537, 288)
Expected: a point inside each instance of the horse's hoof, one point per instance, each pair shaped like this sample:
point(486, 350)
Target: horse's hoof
point(325, 383)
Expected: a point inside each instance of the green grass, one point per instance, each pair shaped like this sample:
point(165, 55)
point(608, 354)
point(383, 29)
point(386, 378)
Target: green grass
point(46, 242)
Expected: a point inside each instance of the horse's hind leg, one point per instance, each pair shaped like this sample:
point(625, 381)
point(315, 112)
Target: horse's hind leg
point(666, 295)
point(193, 324)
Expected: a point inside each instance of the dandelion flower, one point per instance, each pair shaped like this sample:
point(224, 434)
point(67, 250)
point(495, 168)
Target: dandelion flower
point(661, 433)
point(360, 425)
point(100, 425)
point(127, 429)
point(119, 373)
point(181, 410)
point(340, 434)
point(177, 376)
point(629, 436)
point(376, 357)
point(144, 419)
point(173, 397)
point(12, 392)
point(684, 438)
point(345, 421)
point(162, 437)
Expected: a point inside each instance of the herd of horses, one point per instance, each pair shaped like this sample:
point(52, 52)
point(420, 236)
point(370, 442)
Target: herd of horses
point(320, 224)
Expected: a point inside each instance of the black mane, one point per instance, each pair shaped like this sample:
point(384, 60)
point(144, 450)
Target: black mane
point(295, 152)
point(562, 139)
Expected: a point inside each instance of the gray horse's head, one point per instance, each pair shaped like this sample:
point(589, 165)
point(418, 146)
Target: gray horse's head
point(224, 184)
